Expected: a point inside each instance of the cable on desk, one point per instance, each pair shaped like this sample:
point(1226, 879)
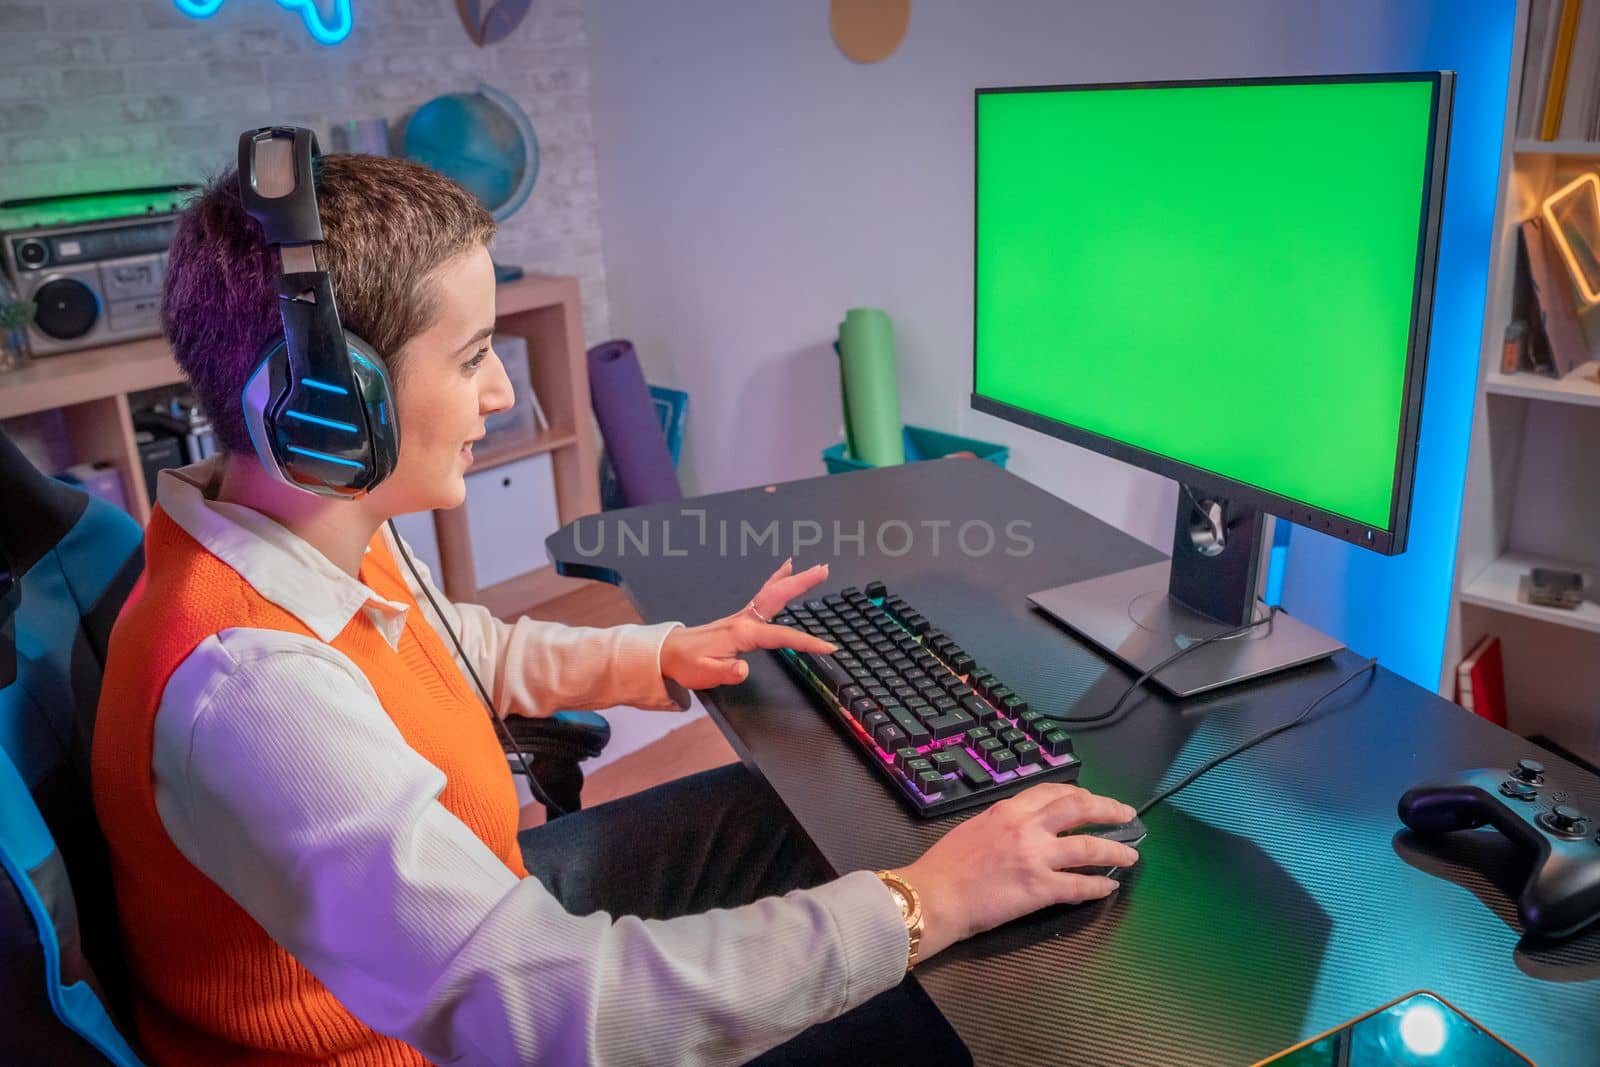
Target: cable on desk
point(1273, 731)
point(1272, 612)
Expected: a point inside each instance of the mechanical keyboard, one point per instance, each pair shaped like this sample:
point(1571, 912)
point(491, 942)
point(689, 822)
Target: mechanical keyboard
point(945, 732)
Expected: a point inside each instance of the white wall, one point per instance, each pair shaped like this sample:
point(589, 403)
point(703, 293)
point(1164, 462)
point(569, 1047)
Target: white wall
point(754, 184)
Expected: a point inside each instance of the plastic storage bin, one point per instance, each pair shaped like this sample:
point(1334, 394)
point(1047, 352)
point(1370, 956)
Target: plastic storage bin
point(920, 444)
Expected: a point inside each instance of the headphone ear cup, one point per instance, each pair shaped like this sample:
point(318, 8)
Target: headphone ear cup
point(261, 390)
point(376, 389)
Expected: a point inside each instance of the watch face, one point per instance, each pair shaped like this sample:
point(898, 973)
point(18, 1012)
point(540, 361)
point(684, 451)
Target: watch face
point(905, 905)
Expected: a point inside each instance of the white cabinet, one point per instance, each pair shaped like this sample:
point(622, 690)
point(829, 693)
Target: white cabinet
point(510, 511)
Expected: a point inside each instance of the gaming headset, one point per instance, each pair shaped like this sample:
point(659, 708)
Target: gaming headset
point(319, 405)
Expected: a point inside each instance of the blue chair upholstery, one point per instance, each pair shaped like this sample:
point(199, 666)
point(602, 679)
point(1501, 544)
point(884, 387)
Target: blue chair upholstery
point(72, 560)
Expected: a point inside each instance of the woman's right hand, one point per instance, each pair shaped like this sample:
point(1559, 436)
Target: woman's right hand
point(1008, 861)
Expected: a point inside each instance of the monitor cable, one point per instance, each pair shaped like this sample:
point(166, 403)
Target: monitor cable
point(534, 787)
point(1102, 716)
point(1272, 731)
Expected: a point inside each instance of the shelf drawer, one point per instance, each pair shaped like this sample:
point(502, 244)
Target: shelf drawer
point(511, 509)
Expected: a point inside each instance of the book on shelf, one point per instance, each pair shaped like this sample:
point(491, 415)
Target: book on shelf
point(1539, 51)
point(1480, 681)
point(1558, 315)
point(1559, 94)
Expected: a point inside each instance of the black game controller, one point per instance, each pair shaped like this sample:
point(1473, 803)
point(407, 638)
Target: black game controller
point(1562, 894)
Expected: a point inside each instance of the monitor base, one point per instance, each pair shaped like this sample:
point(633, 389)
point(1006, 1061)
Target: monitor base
point(1130, 616)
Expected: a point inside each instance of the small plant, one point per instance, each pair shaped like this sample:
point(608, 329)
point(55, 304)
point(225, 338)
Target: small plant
point(16, 314)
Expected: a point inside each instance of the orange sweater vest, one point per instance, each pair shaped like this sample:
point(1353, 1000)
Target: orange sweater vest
point(210, 985)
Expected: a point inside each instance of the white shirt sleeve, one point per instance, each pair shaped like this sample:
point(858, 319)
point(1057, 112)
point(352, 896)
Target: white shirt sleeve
point(279, 776)
point(538, 668)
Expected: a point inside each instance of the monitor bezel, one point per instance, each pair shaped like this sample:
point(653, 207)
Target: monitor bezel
point(1390, 541)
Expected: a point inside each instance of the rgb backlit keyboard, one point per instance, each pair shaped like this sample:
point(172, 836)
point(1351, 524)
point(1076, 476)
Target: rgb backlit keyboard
point(945, 732)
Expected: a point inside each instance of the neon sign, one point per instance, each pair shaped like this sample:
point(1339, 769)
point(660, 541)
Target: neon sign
point(329, 30)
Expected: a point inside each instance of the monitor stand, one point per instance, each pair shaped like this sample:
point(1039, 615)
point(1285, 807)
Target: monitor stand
point(1144, 615)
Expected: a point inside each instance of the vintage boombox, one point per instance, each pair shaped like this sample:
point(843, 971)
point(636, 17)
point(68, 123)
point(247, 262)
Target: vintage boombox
point(94, 264)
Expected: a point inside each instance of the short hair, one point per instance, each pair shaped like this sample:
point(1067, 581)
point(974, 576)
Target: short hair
point(386, 223)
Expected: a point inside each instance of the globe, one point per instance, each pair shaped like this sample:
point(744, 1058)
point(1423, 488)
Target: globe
point(483, 140)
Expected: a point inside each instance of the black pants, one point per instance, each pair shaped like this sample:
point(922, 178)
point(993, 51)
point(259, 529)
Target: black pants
point(720, 839)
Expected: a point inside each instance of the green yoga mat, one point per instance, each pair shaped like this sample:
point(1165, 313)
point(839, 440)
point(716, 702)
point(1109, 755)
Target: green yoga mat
point(871, 388)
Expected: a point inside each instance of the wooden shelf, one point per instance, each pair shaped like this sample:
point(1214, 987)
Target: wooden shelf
point(91, 389)
point(1531, 147)
point(95, 373)
point(489, 459)
point(1502, 586)
point(1578, 387)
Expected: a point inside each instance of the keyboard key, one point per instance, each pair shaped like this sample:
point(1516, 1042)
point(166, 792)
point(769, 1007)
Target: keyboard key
point(963, 663)
point(976, 734)
point(945, 704)
point(890, 737)
point(1026, 752)
point(850, 694)
point(930, 782)
point(979, 710)
point(1012, 736)
point(916, 733)
point(998, 693)
point(828, 670)
point(1013, 705)
point(954, 686)
point(874, 719)
point(834, 601)
point(970, 769)
point(904, 755)
point(876, 590)
point(1057, 742)
point(944, 761)
point(861, 706)
point(949, 724)
point(917, 624)
point(988, 746)
point(916, 766)
point(1002, 761)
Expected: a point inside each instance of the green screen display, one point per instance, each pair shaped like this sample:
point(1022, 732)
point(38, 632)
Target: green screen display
point(1222, 275)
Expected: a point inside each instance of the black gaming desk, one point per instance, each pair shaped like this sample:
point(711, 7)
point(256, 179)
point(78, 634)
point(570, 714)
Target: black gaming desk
point(1277, 896)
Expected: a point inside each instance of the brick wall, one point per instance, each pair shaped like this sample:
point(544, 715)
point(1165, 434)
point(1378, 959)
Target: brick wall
point(99, 94)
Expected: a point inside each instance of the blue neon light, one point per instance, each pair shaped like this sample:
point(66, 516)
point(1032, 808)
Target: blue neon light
point(329, 31)
point(318, 420)
point(312, 453)
point(312, 383)
point(1397, 607)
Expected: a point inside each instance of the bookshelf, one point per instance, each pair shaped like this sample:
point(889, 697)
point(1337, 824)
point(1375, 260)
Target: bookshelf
point(1531, 495)
point(86, 395)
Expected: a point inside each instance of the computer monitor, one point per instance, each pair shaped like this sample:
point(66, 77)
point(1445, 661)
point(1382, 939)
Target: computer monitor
point(1228, 282)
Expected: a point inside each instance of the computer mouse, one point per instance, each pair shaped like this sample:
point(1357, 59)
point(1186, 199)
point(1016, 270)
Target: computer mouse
point(1129, 833)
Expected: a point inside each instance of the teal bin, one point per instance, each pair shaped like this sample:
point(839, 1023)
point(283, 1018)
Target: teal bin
point(920, 444)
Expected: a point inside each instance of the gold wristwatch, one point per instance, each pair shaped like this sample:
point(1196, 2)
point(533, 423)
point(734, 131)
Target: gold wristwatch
point(910, 911)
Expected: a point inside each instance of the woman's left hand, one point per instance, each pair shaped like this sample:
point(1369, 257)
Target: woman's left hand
point(700, 657)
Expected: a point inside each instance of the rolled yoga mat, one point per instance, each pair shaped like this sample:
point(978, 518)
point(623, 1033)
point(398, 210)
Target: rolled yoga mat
point(871, 387)
point(629, 425)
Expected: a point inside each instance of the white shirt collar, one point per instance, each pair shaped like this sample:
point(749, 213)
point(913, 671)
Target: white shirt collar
point(277, 563)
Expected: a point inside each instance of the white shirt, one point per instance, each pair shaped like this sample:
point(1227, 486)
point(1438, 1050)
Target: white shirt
point(279, 776)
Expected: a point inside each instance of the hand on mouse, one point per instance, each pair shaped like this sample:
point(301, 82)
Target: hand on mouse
point(1008, 861)
point(700, 657)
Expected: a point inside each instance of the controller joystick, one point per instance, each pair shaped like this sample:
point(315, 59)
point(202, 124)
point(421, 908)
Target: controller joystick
point(1562, 892)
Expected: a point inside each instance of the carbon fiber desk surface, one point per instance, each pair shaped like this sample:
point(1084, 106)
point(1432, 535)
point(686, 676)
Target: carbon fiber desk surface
point(1277, 896)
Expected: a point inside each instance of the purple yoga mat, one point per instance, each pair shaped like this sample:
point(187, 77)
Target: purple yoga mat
point(629, 425)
